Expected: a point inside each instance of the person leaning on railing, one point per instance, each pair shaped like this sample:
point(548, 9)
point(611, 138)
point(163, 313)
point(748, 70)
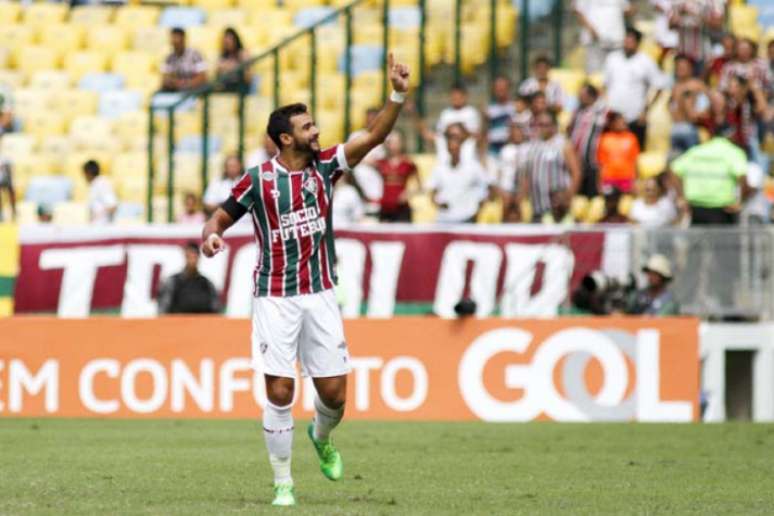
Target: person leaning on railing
point(184, 68)
point(232, 56)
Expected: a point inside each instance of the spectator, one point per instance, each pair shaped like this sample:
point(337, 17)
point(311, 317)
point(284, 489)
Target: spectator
point(630, 78)
point(348, 207)
point(693, 20)
point(6, 108)
point(771, 57)
point(6, 183)
point(666, 37)
point(584, 131)
point(612, 213)
point(689, 106)
point(553, 173)
point(102, 199)
point(232, 55)
point(45, 214)
point(655, 298)
point(743, 108)
point(396, 170)
point(192, 214)
point(654, 208)
point(746, 65)
point(710, 175)
point(461, 112)
point(540, 82)
point(603, 23)
point(513, 161)
point(188, 292)
point(523, 114)
point(183, 69)
point(499, 115)
point(458, 185)
point(617, 155)
point(367, 180)
point(219, 190)
point(262, 154)
point(715, 68)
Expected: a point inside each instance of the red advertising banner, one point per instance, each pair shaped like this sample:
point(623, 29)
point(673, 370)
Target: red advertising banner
point(571, 369)
point(510, 270)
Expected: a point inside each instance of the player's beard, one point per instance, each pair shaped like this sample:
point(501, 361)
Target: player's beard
point(306, 149)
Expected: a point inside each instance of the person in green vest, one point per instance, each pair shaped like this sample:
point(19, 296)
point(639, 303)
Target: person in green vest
point(712, 180)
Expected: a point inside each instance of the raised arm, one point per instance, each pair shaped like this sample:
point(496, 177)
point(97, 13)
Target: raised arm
point(357, 148)
point(212, 234)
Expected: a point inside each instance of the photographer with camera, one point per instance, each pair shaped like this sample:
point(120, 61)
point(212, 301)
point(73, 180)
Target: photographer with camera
point(655, 298)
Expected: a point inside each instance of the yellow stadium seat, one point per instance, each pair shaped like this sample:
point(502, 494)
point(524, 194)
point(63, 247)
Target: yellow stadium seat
point(423, 211)
point(107, 38)
point(91, 15)
point(14, 38)
point(425, 164)
point(29, 100)
point(80, 63)
point(742, 17)
point(214, 4)
point(135, 66)
point(131, 127)
point(223, 17)
point(43, 124)
point(130, 164)
point(26, 211)
point(72, 103)
point(32, 165)
point(331, 126)
point(136, 16)
point(70, 213)
point(650, 164)
point(579, 207)
point(85, 128)
point(5, 58)
point(56, 147)
point(14, 145)
point(11, 79)
point(204, 38)
point(570, 80)
point(44, 13)
point(33, 58)
point(53, 80)
point(62, 36)
point(10, 12)
point(277, 19)
point(257, 4)
point(625, 205)
point(132, 188)
point(491, 212)
point(596, 210)
point(154, 40)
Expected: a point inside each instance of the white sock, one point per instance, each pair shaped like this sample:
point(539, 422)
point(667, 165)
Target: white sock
point(278, 432)
point(325, 419)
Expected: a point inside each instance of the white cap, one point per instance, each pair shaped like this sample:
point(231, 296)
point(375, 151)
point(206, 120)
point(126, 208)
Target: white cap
point(659, 264)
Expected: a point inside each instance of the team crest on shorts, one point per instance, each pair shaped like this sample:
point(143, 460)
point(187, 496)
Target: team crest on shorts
point(264, 347)
point(268, 176)
point(311, 186)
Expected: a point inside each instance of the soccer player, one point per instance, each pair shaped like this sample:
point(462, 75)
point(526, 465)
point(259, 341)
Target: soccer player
point(295, 312)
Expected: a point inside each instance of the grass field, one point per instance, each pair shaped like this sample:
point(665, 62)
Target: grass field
point(216, 467)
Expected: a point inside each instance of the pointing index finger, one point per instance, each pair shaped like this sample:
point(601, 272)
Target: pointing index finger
point(390, 61)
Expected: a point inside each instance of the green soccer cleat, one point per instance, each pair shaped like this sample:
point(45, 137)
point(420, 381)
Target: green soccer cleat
point(330, 458)
point(283, 495)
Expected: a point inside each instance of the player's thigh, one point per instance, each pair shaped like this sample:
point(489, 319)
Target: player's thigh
point(322, 347)
point(277, 323)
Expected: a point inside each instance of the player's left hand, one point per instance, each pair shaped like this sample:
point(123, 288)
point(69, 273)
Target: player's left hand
point(399, 74)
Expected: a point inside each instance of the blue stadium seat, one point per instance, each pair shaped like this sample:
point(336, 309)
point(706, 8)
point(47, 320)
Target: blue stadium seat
point(113, 104)
point(48, 190)
point(193, 144)
point(129, 211)
point(311, 15)
point(162, 100)
point(405, 17)
point(182, 17)
point(101, 82)
point(365, 58)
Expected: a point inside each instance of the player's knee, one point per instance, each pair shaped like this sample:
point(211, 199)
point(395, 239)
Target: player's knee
point(334, 398)
point(280, 391)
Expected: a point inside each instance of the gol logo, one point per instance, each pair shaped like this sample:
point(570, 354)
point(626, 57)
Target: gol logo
point(578, 345)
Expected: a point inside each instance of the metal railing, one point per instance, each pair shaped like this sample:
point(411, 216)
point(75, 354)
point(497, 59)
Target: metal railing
point(273, 53)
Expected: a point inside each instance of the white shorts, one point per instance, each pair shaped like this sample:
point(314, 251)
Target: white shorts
point(308, 327)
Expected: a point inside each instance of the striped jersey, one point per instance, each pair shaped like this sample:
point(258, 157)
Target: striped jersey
point(547, 172)
point(291, 216)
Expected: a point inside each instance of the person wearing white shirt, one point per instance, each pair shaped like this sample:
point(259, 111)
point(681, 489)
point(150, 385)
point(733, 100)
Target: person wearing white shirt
point(513, 165)
point(102, 200)
point(220, 189)
point(603, 23)
point(630, 78)
point(459, 112)
point(654, 209)
point(262, 154)
point(459, 185)
point(348, 207)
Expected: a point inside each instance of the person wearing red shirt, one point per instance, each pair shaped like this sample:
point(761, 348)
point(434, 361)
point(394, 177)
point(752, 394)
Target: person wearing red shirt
point(617, 155)
point(396, 170)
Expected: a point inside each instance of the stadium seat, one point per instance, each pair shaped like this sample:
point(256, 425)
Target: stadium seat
point(107, 38)
point(10, 12)
point(12, 79)
point(48, 190)
point(15, 37)
point(44, 14)
point(136, 16)
point(425, 164)
point(14, 145)
point(31, 165)
point(83, 128)
point(80, 63)
point(211, 5)
point(112, 104)
point(569, 80)
point(101, 82)
point(74, 103)
point(42, 124)
point(153, 40)
point(183, 17)
point(56, 148)
point(194, 144)
point(365, 58)
point(226, 17)
point(205, 39)
point(651, 164)
point(131, 127)
point(70, 213)
point(130, 213)
point(257, 5)
point(135, 67)
point(92, 16)
point(26, 212)
point(51, 80)
point(307, 17)
point(34, 58)
point(32, 100)
point(62, 36)
point(405, 17)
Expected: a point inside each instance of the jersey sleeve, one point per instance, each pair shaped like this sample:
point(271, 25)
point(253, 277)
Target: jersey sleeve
point(241, 199)
point(332, 162)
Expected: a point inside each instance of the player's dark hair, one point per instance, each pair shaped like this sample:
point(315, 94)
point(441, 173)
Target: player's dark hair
point(459, 86)
point(191, 246)
point(591, 90)
point(91, 167)
point(178, 31)
point(637, 35)
point(542, 59)
point(279, 121)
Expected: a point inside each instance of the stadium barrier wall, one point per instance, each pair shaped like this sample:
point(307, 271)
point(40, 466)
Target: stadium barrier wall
point(412, 368)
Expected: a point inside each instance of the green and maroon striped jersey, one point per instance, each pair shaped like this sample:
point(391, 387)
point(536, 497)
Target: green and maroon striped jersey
point(291, 216)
